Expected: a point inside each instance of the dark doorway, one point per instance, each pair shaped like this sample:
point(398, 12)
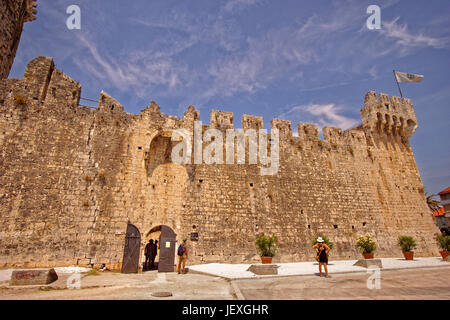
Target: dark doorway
point(167, 250)
point(130, 262)
point(155, 235)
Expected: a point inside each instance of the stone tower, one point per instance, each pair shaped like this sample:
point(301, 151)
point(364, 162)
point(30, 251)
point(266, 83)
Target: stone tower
point(13, 14)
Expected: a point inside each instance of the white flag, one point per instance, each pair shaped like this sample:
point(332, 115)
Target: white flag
point(408, 77)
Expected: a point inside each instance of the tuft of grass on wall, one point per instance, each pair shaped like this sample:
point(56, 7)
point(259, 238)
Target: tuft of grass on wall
point(351, 150)
point(92, 272)
point(19, 100)
point(102, 176)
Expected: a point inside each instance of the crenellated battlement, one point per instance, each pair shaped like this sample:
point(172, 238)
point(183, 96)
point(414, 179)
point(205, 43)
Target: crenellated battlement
point(62, 88)
point(308, 131)
point(284, 127)
point(252, 122)
point(37, 76)
point(335, 136)
point(388, 115)
point(106, 103)
point(44, 84)
point(30, 10)
point(332, 134)
point(190, 116)
point(221, 119)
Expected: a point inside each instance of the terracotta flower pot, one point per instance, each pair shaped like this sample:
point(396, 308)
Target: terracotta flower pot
point(409, 255)
point(266, 260)
point(444, 254)
point(368, 255)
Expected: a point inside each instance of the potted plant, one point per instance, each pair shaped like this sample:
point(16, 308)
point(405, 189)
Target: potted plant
point(367, 245)
point(407, 244)
point(266, 244)
point(444, 243)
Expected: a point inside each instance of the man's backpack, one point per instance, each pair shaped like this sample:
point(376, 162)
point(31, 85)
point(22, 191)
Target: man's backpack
point(180, 250)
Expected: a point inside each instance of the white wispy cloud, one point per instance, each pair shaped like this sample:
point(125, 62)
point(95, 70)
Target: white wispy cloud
point(234, 5)
point(233, 62)
point(266, 58)
point(209, 29)
point(405, 38)
point(373, 72)
point(278, 52)
point(322, 114)
point(136, 71)
point(252, 64)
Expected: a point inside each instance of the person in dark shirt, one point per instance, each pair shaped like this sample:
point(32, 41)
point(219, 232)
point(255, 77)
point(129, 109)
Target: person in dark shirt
point(149, 254)
point(155, 252)
point(322, 251)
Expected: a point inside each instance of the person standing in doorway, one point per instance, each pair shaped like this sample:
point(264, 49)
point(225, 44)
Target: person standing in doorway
point(322, 251)
point(182, 253)
point(155, 252)
point(149, 256)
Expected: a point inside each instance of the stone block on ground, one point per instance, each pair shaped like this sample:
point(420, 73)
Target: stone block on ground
point(366, 263)
point(447, 258)
point(33, 277)
point(263, 269)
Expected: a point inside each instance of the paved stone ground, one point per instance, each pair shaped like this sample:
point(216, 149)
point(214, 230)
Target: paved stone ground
point(421, 284)
point(117, 286)
point(239, 271)
point(410, 283)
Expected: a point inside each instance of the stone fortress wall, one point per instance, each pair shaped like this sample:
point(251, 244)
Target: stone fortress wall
point(13, 14)
point(72, 177)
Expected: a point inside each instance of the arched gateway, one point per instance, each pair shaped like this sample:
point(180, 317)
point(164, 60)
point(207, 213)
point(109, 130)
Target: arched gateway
point(167, 247)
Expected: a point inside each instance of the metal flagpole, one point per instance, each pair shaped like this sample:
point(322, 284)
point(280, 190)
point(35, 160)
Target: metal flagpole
point(398, 84)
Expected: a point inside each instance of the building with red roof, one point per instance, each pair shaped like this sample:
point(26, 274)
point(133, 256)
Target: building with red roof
point(438, 212)
point(445, 200)
point(445, 191)
point(442, 215)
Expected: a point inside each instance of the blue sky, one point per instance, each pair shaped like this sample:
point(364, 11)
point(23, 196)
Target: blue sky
point(309, 61)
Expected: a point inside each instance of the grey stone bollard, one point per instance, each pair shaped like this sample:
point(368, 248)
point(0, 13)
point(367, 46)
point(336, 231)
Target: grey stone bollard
point(365, 263)
point(33, 277)
point(263, 269)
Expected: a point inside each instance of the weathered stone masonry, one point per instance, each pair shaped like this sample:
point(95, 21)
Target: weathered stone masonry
point(71, 178)
point(13, 14)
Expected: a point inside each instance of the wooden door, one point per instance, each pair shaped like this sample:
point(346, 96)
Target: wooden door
point(167, 250)
point(130, 262)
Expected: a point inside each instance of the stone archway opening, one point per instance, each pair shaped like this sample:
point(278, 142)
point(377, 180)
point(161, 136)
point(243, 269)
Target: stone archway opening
point(166, 246)
point(160, 151)
point(155, 235)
